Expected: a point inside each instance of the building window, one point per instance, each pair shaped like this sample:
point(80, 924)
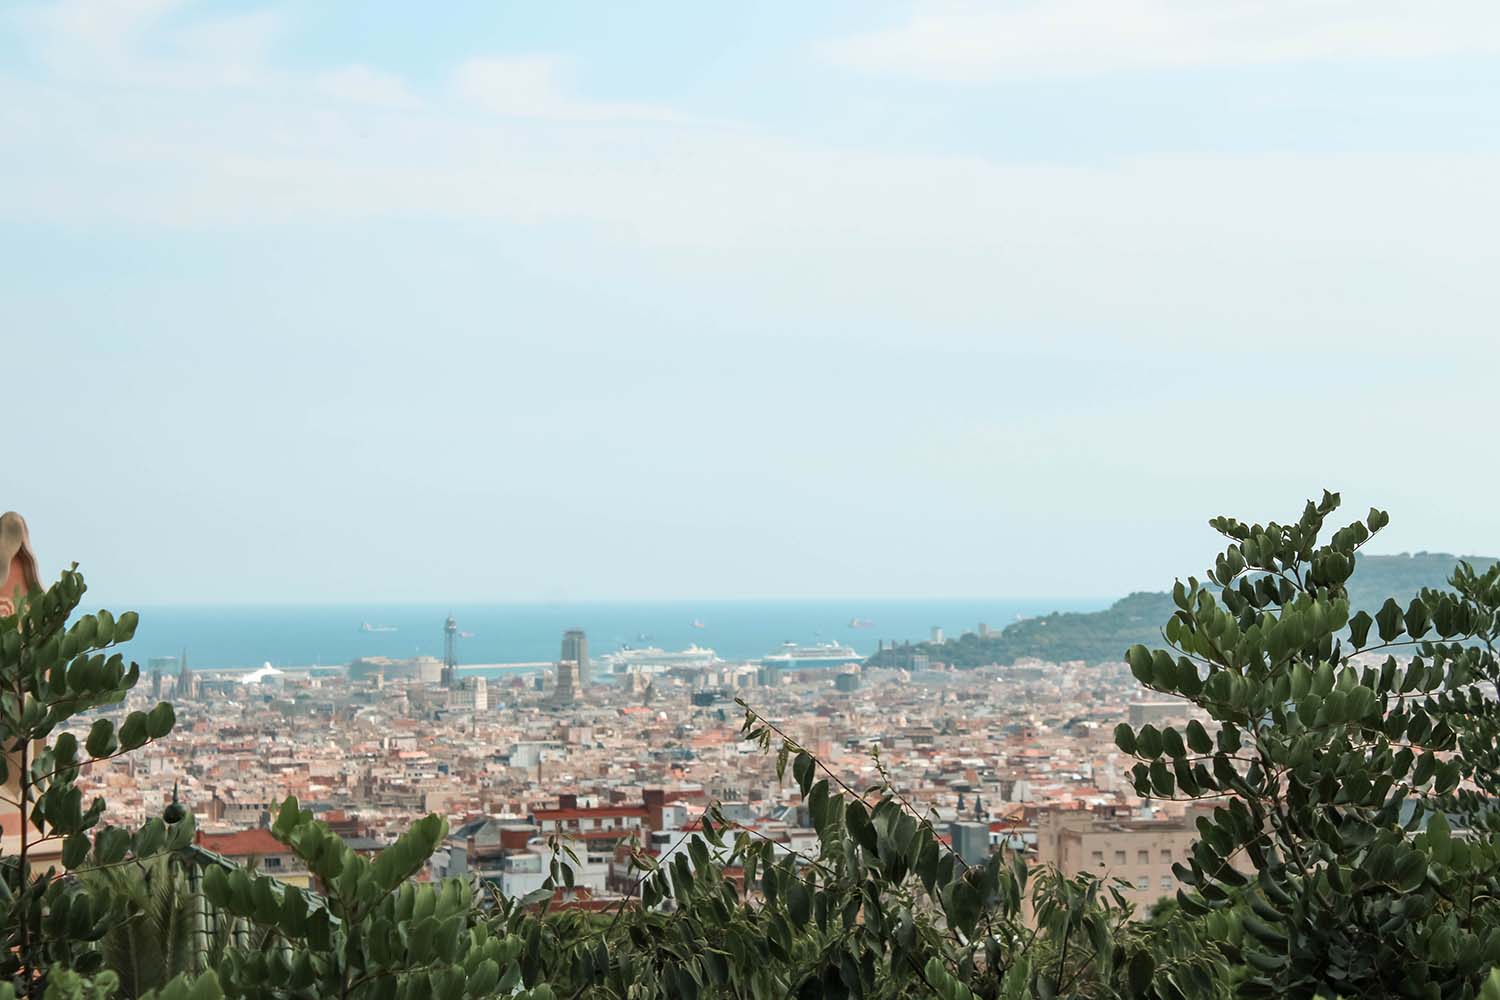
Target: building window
point(1166, 856)
point(1143, 857)
point(1099, 859)
point(1144, 882)
point(1119, 857)
point(1167, 882)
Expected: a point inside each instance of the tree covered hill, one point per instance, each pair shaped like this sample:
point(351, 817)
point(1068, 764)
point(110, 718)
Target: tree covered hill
point(1103, 636)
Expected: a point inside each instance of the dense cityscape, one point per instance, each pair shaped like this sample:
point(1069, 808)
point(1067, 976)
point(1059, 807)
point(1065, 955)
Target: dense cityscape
point(509, 816)
point(606, 756)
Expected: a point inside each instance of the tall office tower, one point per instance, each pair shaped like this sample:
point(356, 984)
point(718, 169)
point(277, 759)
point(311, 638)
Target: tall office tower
point(937, 633)
point(566, 692)
point(575, 647)
point(450, 653)
point(971, 841)
point(160, 666)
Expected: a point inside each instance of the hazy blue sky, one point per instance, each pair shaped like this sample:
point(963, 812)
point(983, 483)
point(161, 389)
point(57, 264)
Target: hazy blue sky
point(362, 301)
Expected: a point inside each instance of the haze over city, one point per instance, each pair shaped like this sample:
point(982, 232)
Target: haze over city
point(576, 301)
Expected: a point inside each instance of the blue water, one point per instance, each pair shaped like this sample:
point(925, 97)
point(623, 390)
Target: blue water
point(294, 636)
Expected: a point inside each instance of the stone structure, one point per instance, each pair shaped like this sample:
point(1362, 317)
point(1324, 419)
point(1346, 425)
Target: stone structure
point(17, 562)
point(18, 567)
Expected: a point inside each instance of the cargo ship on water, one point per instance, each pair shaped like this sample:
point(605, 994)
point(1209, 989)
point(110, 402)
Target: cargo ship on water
point(793, 655)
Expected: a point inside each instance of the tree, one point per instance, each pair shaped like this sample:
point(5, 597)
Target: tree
point(1353, 757)
point(373, 934)
point(50, 672)
point(154, 942)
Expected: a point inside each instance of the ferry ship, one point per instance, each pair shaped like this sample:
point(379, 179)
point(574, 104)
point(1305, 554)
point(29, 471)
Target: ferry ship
point(367, 627)
point(861, 623)
point(820, 654)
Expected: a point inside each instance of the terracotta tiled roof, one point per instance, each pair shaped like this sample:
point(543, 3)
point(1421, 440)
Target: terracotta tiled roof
point(242, 843)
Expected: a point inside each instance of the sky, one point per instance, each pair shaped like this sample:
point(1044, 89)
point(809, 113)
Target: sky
point(380, 301)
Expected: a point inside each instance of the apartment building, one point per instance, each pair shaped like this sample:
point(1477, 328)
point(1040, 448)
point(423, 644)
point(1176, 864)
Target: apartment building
point(523, 872)
point(586, 821)
point(1139, 851)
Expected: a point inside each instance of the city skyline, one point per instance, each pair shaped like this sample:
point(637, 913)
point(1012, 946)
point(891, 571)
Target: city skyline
point(871, 301)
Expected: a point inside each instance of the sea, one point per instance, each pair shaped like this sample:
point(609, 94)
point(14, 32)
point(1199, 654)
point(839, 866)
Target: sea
point(242, 636)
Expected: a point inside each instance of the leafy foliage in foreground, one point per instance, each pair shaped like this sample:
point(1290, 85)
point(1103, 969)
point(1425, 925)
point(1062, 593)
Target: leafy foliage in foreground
point(49, 673)
point(156, 941)
point(882, 909)
point(375, 933)
point(1355, 847)
point(1351, 755)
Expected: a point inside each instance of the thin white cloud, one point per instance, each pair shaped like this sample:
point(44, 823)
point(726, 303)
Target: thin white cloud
point(107, 41)
point(71, 35)
point(532, 87)
point(363, 85)
point(1020, 39)
point(230, 48)
point(1276, 246)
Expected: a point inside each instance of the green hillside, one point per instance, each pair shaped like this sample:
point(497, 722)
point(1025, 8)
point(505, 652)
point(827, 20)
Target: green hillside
point(1103, 636)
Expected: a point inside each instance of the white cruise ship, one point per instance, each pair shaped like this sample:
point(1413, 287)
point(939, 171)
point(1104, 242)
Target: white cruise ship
point(821, 654)
point(652, 660)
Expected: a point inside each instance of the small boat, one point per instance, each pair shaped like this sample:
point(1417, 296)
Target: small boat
point(697, 623)
point(861, 623)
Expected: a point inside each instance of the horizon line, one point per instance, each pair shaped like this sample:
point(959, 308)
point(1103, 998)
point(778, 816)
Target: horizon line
point(543, 602)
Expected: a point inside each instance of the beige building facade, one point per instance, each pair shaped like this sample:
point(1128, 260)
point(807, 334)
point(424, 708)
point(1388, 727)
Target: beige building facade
point(1140, 852)
point(18, 579)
